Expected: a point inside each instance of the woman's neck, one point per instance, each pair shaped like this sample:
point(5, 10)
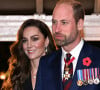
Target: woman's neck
point(34, 66)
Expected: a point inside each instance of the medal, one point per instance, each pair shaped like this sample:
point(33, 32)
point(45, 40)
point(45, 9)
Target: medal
point(66, 75)
point(79, 83)
point(90, 81)
point(88, 76)
point(80, 78)
point(85, 82)
point(96, 81)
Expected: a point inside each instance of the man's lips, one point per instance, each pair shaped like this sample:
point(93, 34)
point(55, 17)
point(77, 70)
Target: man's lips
point(58, 36)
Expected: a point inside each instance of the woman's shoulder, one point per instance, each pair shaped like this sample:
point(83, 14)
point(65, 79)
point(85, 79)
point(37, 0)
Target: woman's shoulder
point(51, 56)
point(54, 53)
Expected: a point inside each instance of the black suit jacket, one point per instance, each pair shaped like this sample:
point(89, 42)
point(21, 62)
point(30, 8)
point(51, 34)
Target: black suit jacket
point(49, 71)
point(28, 84)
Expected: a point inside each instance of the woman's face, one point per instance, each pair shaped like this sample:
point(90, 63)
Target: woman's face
point(34, 42)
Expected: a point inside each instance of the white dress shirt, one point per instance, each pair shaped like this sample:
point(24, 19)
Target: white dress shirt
point(75, 53)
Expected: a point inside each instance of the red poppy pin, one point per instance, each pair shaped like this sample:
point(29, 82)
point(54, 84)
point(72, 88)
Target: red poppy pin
point(87, 61)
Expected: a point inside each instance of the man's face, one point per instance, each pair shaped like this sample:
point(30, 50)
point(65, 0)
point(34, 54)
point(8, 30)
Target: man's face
point(64, 27)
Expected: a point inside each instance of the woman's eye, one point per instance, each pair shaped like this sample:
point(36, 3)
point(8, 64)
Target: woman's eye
point(35, 38)
point(24, 40)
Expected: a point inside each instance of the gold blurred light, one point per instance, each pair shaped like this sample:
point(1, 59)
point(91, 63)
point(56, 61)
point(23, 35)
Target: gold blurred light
point(2, 76)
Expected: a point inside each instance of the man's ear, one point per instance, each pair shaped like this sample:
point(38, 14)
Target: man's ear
point(80, 24)
point(46, 42)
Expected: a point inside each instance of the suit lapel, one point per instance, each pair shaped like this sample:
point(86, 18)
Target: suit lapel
point(57, 70)
point(28, 84)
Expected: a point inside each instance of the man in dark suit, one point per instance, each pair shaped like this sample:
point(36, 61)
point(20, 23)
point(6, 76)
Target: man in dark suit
point(81, 69)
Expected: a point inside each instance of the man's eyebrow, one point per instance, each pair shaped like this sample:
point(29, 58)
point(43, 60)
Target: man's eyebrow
point(63, 20)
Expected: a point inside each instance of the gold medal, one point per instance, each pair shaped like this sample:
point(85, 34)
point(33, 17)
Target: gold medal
point(79, 83)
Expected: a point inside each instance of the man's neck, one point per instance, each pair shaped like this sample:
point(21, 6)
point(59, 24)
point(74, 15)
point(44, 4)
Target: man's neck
point(71, 46)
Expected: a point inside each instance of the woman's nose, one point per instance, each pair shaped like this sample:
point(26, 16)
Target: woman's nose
point(29, 44)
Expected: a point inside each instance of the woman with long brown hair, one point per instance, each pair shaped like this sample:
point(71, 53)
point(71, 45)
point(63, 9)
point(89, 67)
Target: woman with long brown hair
point(34, 40)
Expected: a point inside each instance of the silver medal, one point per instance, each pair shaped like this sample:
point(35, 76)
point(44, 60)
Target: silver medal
point(96, 81)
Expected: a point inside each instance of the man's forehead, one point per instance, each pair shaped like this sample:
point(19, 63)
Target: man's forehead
point(63, 18)
point(63, 6)
point(62, 12)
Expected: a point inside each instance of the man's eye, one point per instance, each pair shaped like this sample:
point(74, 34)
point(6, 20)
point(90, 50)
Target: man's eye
point(64, 22)
point(53, 22)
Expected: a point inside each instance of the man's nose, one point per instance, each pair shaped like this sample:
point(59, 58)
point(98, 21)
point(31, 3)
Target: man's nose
point(57, 29)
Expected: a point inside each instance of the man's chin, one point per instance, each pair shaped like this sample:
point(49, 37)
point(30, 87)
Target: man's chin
point(59, 43)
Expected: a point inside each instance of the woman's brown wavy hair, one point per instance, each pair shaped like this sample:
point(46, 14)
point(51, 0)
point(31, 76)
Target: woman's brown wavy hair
point(19, 64)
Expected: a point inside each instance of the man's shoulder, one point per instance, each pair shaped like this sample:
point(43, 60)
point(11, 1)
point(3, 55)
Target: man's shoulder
point(91, 50)
point(90, 46)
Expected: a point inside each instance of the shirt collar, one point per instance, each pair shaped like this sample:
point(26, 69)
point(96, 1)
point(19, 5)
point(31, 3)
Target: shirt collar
point(76, 51)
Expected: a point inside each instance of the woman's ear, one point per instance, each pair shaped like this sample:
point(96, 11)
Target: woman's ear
point(46, 42)
point(80, 24)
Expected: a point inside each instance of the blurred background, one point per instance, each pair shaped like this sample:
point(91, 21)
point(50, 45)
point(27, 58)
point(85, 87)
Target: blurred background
point(30, 7)
point(14, 12)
